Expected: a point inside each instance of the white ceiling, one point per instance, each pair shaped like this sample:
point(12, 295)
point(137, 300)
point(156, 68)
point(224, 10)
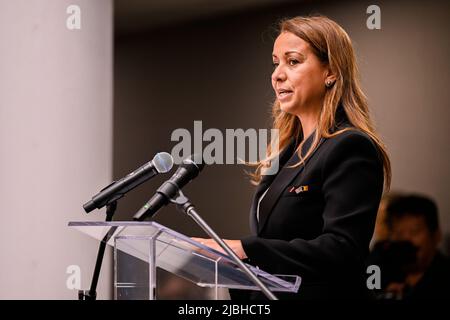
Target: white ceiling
point(135, 15)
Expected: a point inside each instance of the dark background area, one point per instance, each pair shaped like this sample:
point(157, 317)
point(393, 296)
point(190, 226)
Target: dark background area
point(215, 66)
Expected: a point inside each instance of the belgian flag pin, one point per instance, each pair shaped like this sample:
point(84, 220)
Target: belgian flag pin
point(301, 189)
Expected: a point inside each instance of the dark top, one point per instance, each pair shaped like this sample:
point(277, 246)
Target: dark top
point(434, 284)
point(316, 220)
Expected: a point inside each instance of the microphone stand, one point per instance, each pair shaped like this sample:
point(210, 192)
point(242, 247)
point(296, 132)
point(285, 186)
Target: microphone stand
point(91, 294)
point(183, 203)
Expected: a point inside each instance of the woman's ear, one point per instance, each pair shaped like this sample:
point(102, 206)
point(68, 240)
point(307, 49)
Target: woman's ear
point(330, 78)
point(329, 75)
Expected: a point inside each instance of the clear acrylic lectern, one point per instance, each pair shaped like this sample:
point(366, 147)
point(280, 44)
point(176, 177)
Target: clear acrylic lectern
point(154, 245)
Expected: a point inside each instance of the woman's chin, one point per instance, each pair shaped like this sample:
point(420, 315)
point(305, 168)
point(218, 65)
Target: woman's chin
point(288, 108)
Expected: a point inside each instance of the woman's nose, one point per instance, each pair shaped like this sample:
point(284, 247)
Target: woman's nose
point(278, 74)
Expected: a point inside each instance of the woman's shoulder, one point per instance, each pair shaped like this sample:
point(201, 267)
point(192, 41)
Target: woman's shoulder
point(349, 134)
point(353, 150)
point(351, 140)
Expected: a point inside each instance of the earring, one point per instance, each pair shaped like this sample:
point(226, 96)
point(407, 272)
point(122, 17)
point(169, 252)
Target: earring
point(328, 83)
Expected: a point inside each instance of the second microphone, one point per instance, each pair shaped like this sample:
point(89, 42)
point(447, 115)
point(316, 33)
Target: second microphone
point(188, 170)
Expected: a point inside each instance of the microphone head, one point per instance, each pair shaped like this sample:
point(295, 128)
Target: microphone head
point(188, 170)
point(194, 163)
point(163, 162)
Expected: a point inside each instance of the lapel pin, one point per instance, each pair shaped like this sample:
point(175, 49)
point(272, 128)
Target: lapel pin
point(301, 189)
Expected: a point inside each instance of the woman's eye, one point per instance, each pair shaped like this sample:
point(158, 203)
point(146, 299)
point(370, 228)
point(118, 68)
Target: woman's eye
point(275, 64)
point(293, 62)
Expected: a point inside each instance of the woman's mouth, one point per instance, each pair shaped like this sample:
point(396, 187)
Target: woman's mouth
point(283, 94)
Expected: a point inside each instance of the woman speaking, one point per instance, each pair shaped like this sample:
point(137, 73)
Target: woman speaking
point(316, 216)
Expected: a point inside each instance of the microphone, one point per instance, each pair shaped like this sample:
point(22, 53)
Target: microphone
point(161, 163)
point(188, 170)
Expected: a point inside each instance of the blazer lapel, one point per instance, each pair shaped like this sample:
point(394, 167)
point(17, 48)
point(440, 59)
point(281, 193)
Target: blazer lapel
point(266, 182)
point(263, 185)
point(280, 182)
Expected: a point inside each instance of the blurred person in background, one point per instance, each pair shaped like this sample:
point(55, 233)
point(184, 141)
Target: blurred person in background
point(412, 267)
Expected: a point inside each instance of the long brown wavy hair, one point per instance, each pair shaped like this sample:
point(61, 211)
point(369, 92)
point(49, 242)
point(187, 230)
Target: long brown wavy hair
point(332, 45)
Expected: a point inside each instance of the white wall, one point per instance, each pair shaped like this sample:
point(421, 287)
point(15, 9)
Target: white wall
point(55, 142)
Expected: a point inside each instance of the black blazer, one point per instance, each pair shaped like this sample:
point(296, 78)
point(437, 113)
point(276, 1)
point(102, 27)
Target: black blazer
point(316, 220)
